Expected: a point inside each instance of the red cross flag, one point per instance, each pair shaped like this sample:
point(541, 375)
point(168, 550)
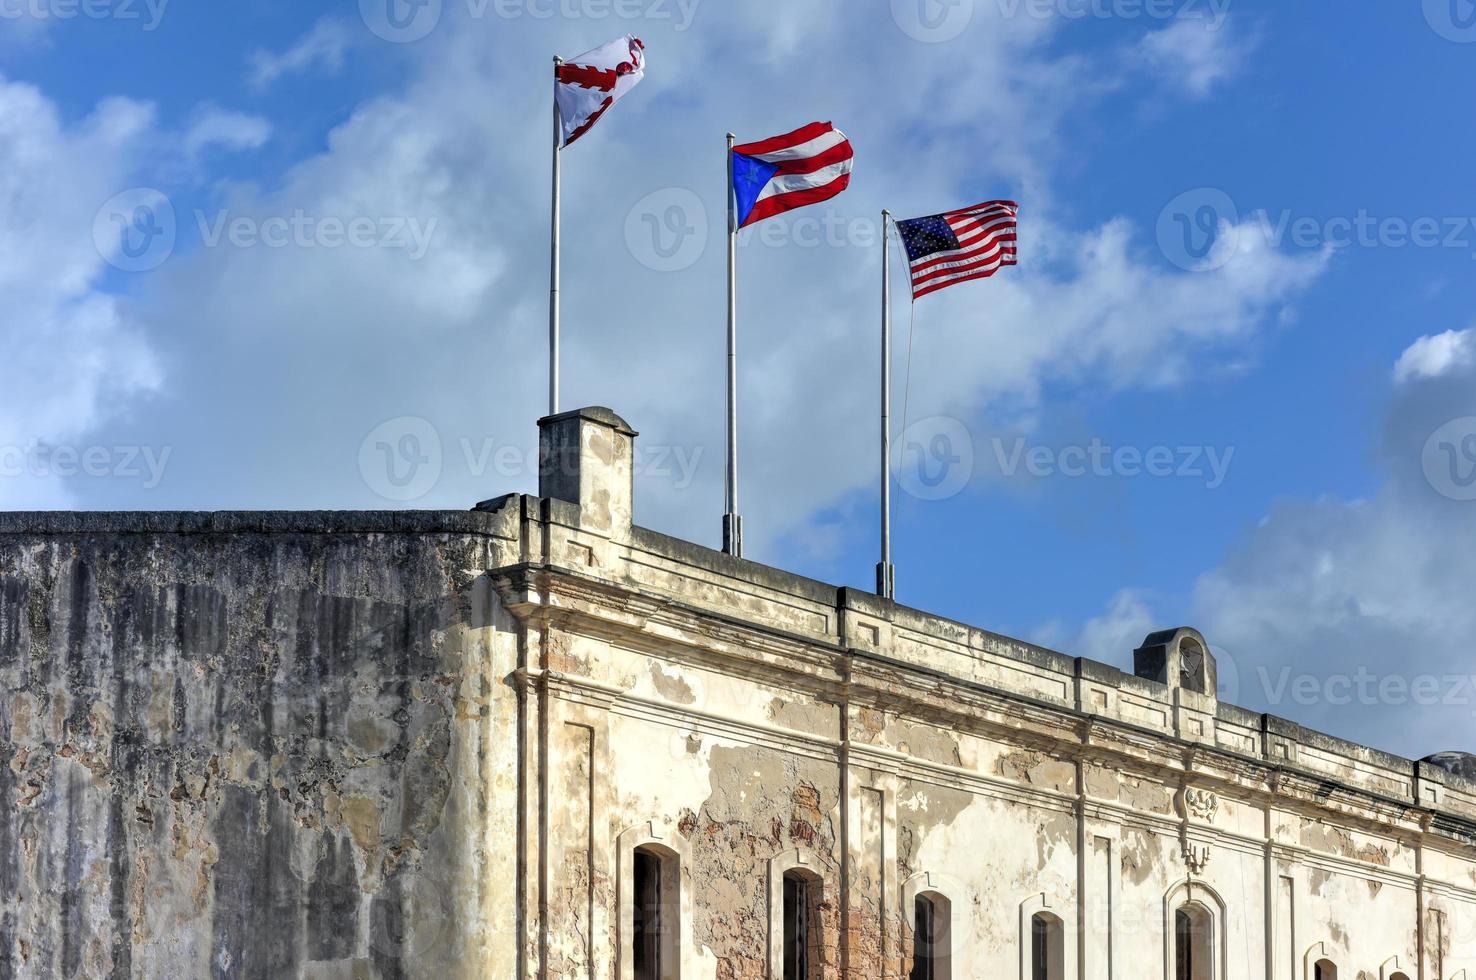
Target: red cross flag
point(591, 83)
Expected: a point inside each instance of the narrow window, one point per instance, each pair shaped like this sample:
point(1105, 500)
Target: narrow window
point(796, 927)
point(1047, 948)
point(1399, 976)
point(646, 912)
point(1194, 946)
point(1325, 970)
point(924, 939)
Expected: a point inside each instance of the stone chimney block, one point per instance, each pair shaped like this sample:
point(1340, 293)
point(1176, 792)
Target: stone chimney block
point(587, 457)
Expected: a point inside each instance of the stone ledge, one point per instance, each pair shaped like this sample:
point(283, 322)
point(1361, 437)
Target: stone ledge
point(250, 522)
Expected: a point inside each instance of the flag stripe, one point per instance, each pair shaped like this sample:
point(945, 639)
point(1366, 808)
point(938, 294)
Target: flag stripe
point(789, 140)
point(994, 254)
point(933, 288)
point(959, 246)
point(768, 207)
point(983, 272)
point(810, 165)
point(946, 259)
point(818, 145)
point(784, 184)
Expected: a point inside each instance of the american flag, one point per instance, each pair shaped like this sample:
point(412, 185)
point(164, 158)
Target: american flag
point(810, 165)
point(971, 243)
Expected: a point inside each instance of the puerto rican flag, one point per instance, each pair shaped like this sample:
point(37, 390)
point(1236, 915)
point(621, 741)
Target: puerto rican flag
point(593, 82)
point(956, 246)
point(810, 165)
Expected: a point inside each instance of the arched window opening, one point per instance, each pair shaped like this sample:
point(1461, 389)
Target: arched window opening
point(1325, 970)
point(1047, 947)
point(655, 914)
point(1399, 976)
point(801, 928)
point(1194, 944)
point(932, 950)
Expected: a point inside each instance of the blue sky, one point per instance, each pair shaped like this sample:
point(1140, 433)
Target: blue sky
point(1322, 367)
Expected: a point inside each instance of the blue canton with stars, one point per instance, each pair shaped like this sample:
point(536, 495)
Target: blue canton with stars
point(927, 236)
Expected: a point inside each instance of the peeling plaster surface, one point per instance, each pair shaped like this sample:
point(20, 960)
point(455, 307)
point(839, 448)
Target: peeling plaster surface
point(243, 755)
point(426, 745)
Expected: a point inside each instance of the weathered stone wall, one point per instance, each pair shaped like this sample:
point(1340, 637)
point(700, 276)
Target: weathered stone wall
point(251, 748)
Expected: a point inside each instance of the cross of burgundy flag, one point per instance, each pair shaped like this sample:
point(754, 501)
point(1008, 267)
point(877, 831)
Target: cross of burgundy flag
point(591, 83)
point(810, 165)
point(971, 243)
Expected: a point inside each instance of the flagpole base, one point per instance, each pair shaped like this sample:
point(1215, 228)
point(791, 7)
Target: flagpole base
point(886, 580)
point(733, 535)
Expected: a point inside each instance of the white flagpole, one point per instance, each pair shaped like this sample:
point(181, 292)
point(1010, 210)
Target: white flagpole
point(886, 572)
point(555, 258)
point(732, 523)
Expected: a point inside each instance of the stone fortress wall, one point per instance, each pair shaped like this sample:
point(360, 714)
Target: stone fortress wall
point(456, 744)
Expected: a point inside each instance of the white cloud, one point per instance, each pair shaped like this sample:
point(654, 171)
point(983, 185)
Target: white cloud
point(1106, 638)
point(1195, 53)
point(322, 49)
point(1435, 355)
point(226, 129)
point(72, 354)
point(1370, 599)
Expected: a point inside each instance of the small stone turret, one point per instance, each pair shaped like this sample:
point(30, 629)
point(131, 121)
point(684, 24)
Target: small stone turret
point(587, 457)
point(1179, 658)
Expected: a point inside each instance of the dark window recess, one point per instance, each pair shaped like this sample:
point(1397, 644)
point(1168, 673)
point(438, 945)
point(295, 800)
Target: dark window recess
point(924, 939)
point(1040, 949)
point(1194, 956)
point(796, 928)
point(647, 916)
